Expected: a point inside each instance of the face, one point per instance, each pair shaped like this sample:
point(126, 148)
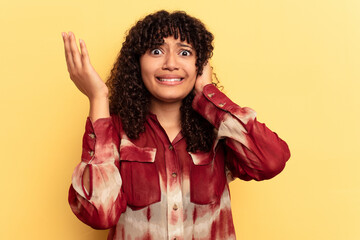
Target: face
point(169, 70)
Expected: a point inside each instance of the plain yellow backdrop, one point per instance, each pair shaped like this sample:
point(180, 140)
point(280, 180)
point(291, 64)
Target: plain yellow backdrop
point(297, 63)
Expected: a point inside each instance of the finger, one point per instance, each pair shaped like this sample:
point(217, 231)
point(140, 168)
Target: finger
point(75, 51)
point(84, 53)
point(68, 54)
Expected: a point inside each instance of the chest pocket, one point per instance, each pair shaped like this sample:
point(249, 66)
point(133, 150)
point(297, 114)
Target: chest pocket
point(207, 177)
point(139, 174)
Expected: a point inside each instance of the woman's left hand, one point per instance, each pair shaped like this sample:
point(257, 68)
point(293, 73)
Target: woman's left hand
point(204, 79)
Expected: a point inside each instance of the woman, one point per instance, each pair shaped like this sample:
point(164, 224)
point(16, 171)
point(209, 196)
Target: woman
point(161, 142)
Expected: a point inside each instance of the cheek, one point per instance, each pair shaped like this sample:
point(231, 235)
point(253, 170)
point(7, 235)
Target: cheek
point(193, 76)
point(191, 84)
point(146, 74)
point(193, 70)
point(145, 65)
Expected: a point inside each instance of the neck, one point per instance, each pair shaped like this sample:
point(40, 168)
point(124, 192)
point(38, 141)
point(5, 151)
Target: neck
point(168, 114)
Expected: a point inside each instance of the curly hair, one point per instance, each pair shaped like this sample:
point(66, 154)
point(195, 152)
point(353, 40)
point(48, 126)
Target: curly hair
point(128, 95)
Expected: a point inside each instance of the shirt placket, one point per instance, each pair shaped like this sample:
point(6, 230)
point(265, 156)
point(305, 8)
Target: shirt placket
point(175, 209)
point(174, 195)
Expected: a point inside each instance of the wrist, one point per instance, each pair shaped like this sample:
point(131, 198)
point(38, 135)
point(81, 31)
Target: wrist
point(100, 93)
point(102, 97)
point(200, 88)
point(99, 108)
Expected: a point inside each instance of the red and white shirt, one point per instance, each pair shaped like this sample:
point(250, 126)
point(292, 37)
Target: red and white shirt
point(151, 188)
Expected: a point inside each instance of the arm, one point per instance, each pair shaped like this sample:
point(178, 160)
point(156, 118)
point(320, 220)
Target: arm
point(98, 108)
point(253, 150)
point(101, 203)
point(95, 195)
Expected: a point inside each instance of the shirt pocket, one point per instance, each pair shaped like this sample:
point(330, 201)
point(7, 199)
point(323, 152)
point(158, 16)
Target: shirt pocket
point(207, 177)
point(139, 173)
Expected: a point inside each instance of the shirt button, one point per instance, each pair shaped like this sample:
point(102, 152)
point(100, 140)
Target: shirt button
point(171, 147)
point(210, 95)
point(91, 153)
point(221, 104)
point(174, 174)
point(175, 207)
point(92, 135)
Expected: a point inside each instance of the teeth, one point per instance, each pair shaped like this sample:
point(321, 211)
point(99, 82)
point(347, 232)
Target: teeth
point(170, 79)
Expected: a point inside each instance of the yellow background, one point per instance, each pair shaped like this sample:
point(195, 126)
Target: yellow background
point(297, 63)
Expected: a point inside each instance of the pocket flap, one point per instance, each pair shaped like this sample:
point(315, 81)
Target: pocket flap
point(202, 158)
point(131, 152)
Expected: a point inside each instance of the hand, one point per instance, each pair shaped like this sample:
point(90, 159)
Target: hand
point(80, 69)
point(204, 79)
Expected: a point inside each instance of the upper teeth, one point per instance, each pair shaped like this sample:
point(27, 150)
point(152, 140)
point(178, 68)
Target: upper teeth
point(170, 79)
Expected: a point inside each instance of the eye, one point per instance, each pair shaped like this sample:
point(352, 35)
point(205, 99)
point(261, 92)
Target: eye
point(185, 53)
point(155, 51)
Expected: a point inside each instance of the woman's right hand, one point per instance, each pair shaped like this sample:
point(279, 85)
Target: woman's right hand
point(82, 73)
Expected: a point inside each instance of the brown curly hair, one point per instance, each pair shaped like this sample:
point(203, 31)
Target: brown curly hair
point(128, 95)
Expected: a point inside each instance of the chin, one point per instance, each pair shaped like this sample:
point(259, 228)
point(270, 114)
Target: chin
point(169, 98)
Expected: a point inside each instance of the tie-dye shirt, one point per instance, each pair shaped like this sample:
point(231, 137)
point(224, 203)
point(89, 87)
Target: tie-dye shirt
point(151, 188)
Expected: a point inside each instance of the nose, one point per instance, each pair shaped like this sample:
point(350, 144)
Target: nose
point(170, 62)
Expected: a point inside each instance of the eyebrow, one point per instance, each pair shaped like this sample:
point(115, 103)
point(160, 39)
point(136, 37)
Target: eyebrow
point(184, 45)
point(179, 44)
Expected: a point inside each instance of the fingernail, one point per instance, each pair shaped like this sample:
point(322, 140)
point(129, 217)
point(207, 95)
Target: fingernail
point(80, 40)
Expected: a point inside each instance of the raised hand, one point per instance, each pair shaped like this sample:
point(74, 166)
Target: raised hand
point(85, 77)
point(80, 69)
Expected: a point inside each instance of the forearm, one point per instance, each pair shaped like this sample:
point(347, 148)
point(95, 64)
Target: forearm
point(96, 182)
point(99, 108)
point(255, 154)
point(254, 151)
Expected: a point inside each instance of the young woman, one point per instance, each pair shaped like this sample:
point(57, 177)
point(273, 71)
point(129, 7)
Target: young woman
point(161, 141)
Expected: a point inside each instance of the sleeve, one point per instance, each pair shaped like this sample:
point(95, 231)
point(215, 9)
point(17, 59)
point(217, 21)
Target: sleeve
point(102, 206)
point(253, 151)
